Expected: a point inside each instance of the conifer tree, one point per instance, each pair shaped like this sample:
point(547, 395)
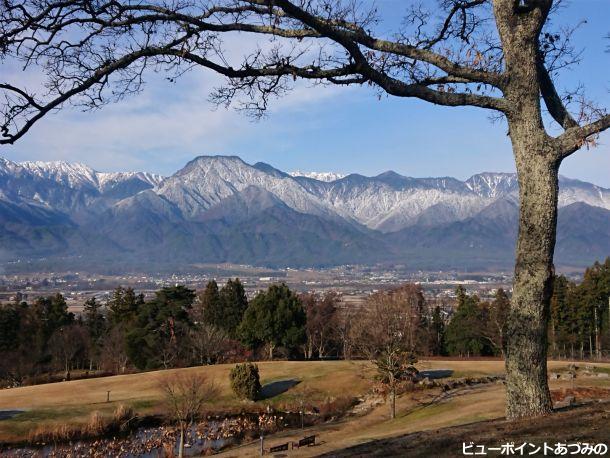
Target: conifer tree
point(234, 304)
point(276, 318)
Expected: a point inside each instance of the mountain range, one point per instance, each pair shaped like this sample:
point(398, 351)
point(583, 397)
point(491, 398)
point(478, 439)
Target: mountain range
point(221, 209)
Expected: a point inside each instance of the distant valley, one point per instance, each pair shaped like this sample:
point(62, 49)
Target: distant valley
point(221, 209)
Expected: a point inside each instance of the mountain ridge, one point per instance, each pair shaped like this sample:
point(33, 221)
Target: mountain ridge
point(220, 208)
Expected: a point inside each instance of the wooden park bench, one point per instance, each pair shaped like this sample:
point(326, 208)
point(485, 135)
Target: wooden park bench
point(279, 448)
point(305, 442)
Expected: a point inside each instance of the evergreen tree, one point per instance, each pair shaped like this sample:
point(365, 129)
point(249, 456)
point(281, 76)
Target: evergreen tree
point(209, 301)
point(438, 332)
point(10, 322)
point(465, 332)
point(94, 319)
point(275, 318)
point(124, 305)
point(234, 304)
point(156, 336)
point(51, 313)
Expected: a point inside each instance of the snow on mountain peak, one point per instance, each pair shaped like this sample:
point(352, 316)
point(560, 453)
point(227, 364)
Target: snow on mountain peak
point(492, 184)
point(77, 175)
point(73, 174)
point(320, 176)
point(387, 202)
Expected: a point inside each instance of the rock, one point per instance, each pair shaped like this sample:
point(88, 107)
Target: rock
point(603, 375)
point(589, 367)
point(554, 376)
point(428, 383)
point(569, 400)
point(567, 376)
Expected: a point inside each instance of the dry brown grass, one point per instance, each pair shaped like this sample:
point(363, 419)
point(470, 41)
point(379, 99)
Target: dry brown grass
point(419, 411)
point(61, 407)
point(96, 426)
point(50, 406)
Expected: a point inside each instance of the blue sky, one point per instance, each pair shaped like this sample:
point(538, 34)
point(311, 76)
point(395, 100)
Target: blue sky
point(316, 129)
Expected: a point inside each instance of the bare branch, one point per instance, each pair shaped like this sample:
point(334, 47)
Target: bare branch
point(575, 137)
point(552, 99)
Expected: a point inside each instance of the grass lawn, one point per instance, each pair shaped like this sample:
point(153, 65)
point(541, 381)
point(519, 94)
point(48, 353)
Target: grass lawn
point(73, 402)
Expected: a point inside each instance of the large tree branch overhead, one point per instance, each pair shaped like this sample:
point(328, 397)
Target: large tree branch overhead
point(91, 53)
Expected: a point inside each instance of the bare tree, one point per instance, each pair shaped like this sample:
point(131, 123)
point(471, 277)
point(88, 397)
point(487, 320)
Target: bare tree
point(185, 396)
point(498, 312)
point(321, 322)
point(386, 333)
point(208, 343)
point(346, 315)
point(113, 354)
point(66, 343)
point(499, 55)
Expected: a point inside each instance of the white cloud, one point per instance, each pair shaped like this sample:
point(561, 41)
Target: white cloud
point(159, 129)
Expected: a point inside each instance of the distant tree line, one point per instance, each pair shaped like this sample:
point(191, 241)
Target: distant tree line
point(579, 325)
point(178, 327)
point(580, 314)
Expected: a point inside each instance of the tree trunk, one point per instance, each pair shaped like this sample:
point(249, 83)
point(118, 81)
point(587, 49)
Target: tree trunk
point(537, 167)
point(181, 444)
point(598, 342)
point(393, 403)
point(526, 353)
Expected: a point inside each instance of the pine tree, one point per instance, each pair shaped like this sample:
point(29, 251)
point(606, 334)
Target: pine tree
point(209, 302)
point(156, 336)
point(94, 318)
point(234, 304)
point(124, 305)
point(275, 318)
point(465, 332)
point(438, 332)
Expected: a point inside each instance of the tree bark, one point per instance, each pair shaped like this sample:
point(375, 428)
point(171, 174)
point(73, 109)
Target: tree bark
point(526, 354)
point(181, 443)
point(393, 403)
point(537, 167)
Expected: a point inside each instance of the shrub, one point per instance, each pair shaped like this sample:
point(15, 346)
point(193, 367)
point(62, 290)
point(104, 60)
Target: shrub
point(245, 381)
point(96, 425)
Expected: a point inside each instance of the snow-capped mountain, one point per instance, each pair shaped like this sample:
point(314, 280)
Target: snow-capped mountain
point(219, 208)
point(207, 180)
point(320, 176)
point(77, 175)
point(71, 188)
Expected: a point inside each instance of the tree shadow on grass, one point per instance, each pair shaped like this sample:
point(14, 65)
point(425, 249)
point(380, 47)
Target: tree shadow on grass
point(8, 414)
point(436, 374)
point(273, 389)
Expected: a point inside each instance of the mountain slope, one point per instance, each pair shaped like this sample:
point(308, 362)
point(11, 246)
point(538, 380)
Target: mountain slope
point(221, 209)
